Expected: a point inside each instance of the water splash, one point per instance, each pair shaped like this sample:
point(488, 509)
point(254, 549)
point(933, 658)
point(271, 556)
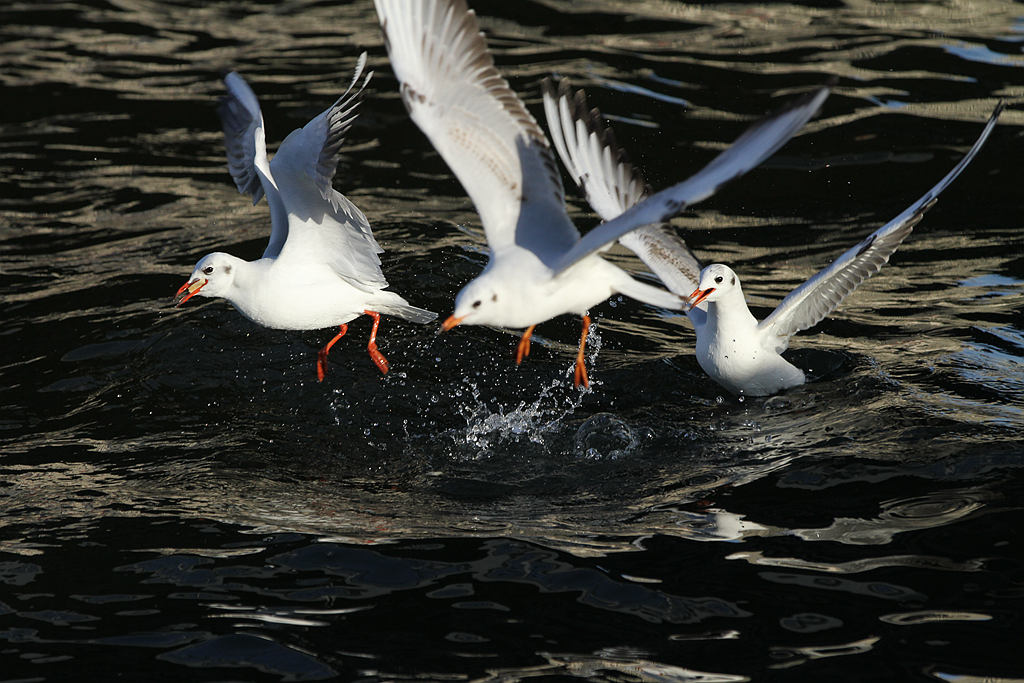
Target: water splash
point(490, 426)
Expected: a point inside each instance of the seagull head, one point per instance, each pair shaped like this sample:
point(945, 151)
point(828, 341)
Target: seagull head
point(212, 277)
point(476, 304)
point(716, 282)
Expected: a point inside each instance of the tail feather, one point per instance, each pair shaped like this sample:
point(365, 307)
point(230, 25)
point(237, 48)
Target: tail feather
point(655, 296)
point(406, 311)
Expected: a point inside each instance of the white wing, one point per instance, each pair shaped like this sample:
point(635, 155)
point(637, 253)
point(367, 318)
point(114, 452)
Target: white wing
point(611, 184)
point(323, 225)
point(477, 124)
point(244, 139)
point(331, 127)
point(750, 149)
point(590, 153)
point(809, 303)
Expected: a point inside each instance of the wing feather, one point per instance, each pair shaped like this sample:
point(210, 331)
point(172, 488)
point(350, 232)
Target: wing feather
point(590, 153)
point(611, 184)
point(809, 303)
point(323, 224)
point(456, 96)
point(242, 122)
point(245, 142)
point(310, 155)
point(339, 119)
point(750, 149)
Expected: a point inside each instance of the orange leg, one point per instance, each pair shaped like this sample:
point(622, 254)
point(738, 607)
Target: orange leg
point(581, 370)
point(321, 358)
point(378, 358)
point(523, 350)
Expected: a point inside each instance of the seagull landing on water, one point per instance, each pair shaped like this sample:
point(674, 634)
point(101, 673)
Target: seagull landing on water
point(539, 266)
point(735, 349)
point(321, 267)
point(742, 354)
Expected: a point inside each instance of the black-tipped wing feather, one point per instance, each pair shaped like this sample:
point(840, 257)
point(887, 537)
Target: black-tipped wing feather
point(590, 153)
point(809, 303)
point(339, 119)
point(611, 184)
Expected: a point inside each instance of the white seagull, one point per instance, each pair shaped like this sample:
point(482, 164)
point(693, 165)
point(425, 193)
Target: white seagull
point(737, 351)
point(321, 267)
point(539, 266)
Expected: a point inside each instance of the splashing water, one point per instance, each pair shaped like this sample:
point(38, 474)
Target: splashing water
point(488, 426)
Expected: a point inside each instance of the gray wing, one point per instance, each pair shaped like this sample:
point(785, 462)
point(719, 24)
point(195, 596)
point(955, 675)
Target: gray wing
point(242, 122)
point(750, 149)
point(310, 154)
point(323, 225)
point(244, 138)
point(809, 303)
point(334, 127)
point(477, 124)
point(611, 184)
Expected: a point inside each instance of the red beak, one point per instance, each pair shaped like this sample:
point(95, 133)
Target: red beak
point(188, 290)
point(699, 295)
point(451, 322)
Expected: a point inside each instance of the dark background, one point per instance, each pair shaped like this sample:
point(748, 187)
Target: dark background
point(181, 500)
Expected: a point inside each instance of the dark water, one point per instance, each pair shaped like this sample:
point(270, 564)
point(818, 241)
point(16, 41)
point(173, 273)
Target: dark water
point(182, 501)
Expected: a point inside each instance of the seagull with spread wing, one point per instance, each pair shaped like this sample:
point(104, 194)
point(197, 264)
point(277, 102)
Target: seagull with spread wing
point(321, 267)
point(539, 266)
point(737, 351)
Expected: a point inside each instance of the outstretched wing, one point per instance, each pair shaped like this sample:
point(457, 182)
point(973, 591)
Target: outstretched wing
point(809, 303)
point(323, 225)
point(477, 124)
point(328, 131)
point(755, 145)
point(611, 184)
point(246, 145)
point(590, 153)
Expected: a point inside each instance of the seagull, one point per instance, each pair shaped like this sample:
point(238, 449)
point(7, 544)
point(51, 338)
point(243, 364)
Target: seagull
point(737, 351)
point(742, 354)
point(539, 266)
point(321, 267)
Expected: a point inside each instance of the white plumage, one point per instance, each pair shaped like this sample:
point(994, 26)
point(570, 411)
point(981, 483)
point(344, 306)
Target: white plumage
point(321, 265)
point(736, 350)
point(539, 266)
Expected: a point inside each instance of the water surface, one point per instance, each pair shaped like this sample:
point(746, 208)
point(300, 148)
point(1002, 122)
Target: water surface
point(182, 500)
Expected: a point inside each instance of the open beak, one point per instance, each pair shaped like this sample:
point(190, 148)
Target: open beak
point(451, 322)
point(699, 295)
point(188, 290)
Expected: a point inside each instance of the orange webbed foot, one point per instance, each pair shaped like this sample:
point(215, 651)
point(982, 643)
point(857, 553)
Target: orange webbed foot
point(580, 373)
point(523, 350)
point(321, 357)
point(378, 358)
point(375, 355)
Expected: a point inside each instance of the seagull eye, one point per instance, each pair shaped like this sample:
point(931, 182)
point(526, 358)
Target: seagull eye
point(494, 297)
point(476, 304)
point(718, 280)
point(208, 270)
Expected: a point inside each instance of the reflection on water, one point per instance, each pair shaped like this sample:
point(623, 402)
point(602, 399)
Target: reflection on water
point(181, 498)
